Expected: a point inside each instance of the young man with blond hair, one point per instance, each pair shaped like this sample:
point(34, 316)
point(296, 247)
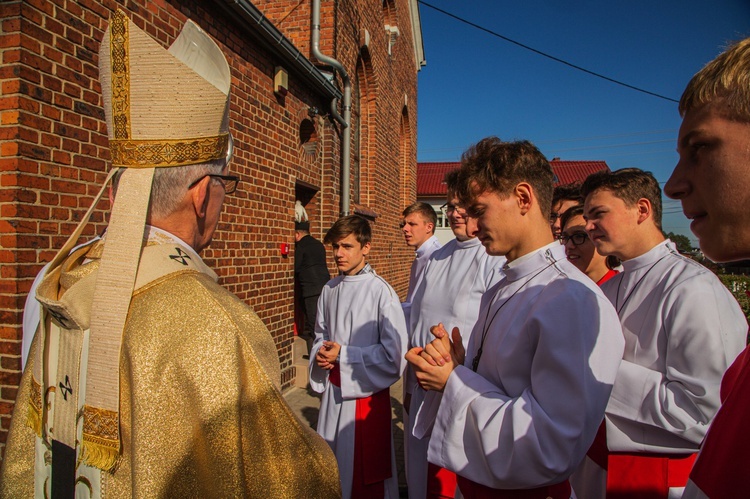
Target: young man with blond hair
point(418, 227)
point(682, 329)
point(712, 180)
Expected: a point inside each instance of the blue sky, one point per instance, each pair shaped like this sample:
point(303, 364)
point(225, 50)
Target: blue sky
point(475, 84)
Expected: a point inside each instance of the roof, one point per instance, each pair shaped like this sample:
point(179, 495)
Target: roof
point(430, 175)
point(430, 178)
point(567, 172)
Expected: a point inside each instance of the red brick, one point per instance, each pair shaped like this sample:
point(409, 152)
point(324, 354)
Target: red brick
point(63, 101)
point(36, 122)
point(10, 347)
point(31, 44)
point(9, 378)
point(37, 93)
point(11, 363)
point(10, 40)
point(8, 393)
point(50, 140)
point(64, 45)
point(10, 118)
point(9, 9)
point(24, 211)
point(73, 90)
point(41, 5)
point(36, 62)
point(11, 56)
point(51, 112)
point(53, 54)
point(34, 151)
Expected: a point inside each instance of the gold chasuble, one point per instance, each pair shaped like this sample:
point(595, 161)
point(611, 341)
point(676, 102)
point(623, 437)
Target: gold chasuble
point(200, 410)
point(146, 378)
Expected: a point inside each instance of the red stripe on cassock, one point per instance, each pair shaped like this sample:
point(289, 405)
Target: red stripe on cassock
point(473, 490)
point(372, 442)
point(646, 476)
point(441, 483)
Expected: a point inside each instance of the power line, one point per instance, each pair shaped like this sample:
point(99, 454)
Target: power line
point(544, 54)
point(610, 146)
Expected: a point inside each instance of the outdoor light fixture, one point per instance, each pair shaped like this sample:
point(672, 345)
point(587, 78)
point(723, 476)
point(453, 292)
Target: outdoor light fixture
point(280, 82)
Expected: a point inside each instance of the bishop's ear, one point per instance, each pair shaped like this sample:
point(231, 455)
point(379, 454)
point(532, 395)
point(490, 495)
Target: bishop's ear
point(199, 195)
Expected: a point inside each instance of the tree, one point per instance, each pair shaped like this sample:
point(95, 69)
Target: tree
point(682, 242)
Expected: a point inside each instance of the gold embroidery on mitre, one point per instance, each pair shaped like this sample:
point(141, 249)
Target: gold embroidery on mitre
point(119, 45)
point(34, 413)
point(166, 152)
point(101, 438)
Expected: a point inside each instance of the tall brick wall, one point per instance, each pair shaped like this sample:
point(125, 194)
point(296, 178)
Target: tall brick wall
point(54, 156)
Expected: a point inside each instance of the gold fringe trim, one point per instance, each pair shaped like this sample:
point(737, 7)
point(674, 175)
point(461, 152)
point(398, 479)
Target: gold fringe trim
point(101, 438)
point(34, 409)
point(34, 419)
point(100, 453)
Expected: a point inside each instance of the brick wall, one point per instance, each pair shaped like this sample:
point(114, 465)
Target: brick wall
point(54, 156)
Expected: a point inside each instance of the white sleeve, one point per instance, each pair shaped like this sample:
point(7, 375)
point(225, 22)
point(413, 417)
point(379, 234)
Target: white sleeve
point(31, 317)
point(537, 437)
point(318, 376)
point(370, 369)
point(705, 331)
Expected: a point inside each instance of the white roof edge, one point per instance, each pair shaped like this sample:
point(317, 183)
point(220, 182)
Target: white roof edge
point(416, 33)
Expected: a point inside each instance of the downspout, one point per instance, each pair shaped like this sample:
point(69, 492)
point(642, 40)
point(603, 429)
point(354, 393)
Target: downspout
point(346, 120)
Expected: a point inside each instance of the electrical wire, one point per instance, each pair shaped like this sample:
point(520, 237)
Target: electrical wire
point(544, 54)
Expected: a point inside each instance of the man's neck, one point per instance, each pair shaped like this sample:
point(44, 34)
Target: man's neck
point(181, 228)
point(643, 245)
point(535, 239)
point(416, 248)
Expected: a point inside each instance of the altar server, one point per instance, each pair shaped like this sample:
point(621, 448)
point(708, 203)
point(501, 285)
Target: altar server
point(682, 330)
point(712, 180)
point(518, 415)
point(452, 286)
point(418, 227)
point(360, 340)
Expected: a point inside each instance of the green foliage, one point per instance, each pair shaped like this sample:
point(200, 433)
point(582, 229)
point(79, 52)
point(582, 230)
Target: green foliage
point(682, 242)
point(739, 285)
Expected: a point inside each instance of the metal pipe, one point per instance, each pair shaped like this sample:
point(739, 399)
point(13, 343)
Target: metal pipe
point(262, 30)
point(346, 105)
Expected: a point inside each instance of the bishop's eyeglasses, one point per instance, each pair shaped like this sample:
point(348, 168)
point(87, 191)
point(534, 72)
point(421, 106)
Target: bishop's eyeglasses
point(230, 182)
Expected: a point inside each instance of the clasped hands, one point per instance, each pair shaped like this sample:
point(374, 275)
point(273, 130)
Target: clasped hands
point(434, 363)
point(327, 355)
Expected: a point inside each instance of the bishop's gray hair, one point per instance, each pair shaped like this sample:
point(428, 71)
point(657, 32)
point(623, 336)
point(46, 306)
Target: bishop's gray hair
point(171, 183)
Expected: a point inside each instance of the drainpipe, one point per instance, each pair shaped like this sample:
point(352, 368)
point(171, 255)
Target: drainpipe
point(346, 120)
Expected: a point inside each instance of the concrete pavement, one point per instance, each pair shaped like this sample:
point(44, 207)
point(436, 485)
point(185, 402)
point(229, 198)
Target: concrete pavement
point(305, 403)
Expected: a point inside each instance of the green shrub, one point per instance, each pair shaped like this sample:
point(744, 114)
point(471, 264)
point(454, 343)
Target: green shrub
point(739, 286)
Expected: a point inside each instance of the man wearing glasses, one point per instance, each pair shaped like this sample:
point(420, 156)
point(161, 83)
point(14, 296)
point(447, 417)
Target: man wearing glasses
point(146, 377)
point(563, 197)
point(450, 292)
